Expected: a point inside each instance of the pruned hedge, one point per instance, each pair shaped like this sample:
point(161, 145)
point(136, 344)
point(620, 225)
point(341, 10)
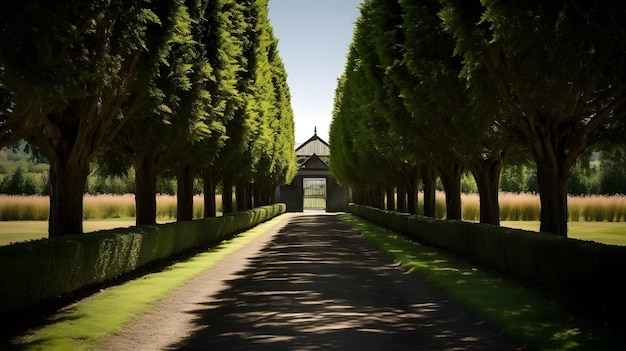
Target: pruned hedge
point(583, 271)
point(38, 271)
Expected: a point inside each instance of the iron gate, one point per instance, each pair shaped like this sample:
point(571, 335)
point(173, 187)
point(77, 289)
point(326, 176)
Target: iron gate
point(314, 193)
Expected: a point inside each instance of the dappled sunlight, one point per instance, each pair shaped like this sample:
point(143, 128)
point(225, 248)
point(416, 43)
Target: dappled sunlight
point(518, 310)
point(308, 290)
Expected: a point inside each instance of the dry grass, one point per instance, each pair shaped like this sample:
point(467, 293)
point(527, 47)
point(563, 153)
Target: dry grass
point(513, 207)
point(597, 208)
point(20, 208)
point(527, 207)
point(108, 206)
point(16, 208)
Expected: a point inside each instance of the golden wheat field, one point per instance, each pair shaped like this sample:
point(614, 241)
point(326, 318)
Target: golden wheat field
point(526, 207)
point(21, 208)
point(598, 218)
point(513, 207)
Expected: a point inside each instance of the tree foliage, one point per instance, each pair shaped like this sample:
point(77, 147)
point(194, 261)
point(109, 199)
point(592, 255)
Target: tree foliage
point(462, 84)
point(166, 83)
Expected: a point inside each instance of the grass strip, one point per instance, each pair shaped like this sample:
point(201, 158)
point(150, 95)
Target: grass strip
point(15, 231)
point(521, 313)
point(91, 321)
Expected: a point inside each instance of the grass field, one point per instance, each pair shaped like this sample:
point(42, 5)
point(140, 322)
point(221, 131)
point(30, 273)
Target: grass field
point(604, 232)
point(15, 231)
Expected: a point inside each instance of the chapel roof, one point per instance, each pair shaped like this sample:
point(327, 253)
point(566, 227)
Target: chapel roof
point(314, 146)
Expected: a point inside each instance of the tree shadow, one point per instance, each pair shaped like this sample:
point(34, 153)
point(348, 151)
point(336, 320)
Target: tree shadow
point(320, 286)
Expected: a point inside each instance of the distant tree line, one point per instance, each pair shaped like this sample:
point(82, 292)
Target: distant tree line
point(600, 175)
point(191, 89)
point(435, 88)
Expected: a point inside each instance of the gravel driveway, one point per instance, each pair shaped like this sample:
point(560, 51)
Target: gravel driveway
point(310, 283)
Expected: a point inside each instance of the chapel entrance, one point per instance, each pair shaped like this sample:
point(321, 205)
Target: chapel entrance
point(314, 194)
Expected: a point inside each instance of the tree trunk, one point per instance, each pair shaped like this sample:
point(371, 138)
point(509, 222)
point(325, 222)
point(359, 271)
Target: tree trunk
point(391, 198)
point(241, 194)
point(411, 196)
point(554, 155)
point(250, 198)
point(145, 191)
point(450, 175)
point(487, 176)
point(67, 186)
point(263, 195)
point(208, 185)
point(184, 194)
point(401, 199)
point(430, 185)
point(553, 183)
point(270, 191)
point(227, 196)
point(380, 197)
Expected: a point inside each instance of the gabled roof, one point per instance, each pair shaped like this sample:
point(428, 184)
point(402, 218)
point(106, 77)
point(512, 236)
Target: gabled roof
point(314, 162)
point(314, 146)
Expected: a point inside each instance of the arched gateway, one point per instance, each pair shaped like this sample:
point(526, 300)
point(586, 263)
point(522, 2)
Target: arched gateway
point(313, 188)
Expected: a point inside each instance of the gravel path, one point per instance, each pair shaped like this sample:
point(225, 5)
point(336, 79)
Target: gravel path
point(310, 283)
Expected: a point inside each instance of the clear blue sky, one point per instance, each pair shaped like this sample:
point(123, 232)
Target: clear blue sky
point(314, 37)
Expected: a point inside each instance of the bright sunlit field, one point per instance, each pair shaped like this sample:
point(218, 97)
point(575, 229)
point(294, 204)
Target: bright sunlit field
point(605, 232)
point(16, 231)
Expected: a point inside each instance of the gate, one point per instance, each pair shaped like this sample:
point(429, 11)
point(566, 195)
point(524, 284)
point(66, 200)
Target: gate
point(314, 193)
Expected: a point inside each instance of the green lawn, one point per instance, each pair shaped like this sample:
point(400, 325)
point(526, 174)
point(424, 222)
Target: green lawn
point(16, 231)
point(604, 232)
point(537, 321)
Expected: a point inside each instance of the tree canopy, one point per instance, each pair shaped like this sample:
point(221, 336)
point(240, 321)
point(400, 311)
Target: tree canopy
point(170, 84)
point(461, 84)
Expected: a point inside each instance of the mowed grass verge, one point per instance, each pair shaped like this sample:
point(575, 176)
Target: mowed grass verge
point(539, 322)
point(90, 322)
point(613, 233)
point(17, 231)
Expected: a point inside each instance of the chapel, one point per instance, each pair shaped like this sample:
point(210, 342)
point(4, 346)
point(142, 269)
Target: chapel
point(314, 188)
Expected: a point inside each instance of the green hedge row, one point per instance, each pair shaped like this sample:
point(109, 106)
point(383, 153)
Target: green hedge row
point(38, 271)
point(585, 272)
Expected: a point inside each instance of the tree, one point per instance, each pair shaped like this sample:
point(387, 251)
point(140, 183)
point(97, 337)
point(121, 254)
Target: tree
point(234, 159)
point(172, 114)
point(467, 129)
point(531, 54)
point(223, 41)
point(74, 71)
point(416, 70)
point(283, 167)
point(358, 129)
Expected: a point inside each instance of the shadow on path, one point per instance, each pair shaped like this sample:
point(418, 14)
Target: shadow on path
point(320, 286)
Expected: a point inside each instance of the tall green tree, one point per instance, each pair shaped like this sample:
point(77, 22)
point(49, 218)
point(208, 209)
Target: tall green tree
point(468, 130)
point(356, 158)
point(74, 71)
point(224, 41)
point(256, 107)
point(262, 110)
point(234, 160)
point(377, 27)
point(533, 53)
point(283, 165)
point(172, 114)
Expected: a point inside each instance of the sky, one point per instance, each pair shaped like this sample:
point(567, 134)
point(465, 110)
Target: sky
point(313, 41)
